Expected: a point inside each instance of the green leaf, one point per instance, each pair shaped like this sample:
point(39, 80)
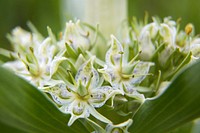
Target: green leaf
point(178, 105)
point(25, 108)
point(70, 51)
point(190, 127)
point(196, 126)
point(5, 55)
point(186, 128)
point(7, 129)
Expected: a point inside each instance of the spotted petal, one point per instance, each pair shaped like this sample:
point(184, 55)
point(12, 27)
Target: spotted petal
point(100, 95)
point(140, 72)
point(77, 110)
point(107, 73)
point(113, 55)
point(87, 72)
point(60, 94)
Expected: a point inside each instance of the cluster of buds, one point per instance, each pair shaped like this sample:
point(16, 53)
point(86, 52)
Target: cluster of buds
point(106, 92)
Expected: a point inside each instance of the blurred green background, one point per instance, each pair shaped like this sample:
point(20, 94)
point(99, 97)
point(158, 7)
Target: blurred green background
point(43, 13)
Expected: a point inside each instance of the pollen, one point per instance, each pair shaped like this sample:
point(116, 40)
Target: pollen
point(188, 28)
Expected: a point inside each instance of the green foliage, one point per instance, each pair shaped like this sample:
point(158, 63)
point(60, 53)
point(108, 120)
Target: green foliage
point(24, 108)
point(187, 10)
point(177, 105)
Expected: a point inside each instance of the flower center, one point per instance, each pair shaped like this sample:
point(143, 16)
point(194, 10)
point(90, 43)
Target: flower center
point(82, 98)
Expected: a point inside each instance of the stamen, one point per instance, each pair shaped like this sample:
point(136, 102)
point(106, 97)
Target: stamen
point(19, 55)
point(82, 91)
point(25, 63)
point(70, 41)
point(121, 60)
point(33, 57)
point(188, 28)
point(72, 78)
point(137, 75)
point(87, 34)
point(158, 81)
point(136, 56)
point(60, 35)
point(89, 82)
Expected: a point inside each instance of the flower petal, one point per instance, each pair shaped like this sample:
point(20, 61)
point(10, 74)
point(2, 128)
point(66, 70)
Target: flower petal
point(195, 48)
point(55, 64)
point(76, 36)
point(77, 110)
point(98, 115)
point(100, 95)
point(140, 72)
point(147, 46)
point(123, 127)
point(107, 74)
point(113, 55)
point(60, 94)
point(87, 72)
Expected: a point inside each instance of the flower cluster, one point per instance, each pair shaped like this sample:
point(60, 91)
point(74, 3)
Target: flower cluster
point(84, 85)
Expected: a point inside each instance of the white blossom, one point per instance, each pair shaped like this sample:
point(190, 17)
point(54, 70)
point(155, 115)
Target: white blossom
point(82, 97)
point(121, 73)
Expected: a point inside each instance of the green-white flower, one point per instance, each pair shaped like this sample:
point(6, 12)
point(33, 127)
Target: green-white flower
point(34, 56)
point(75, 36)
point(21, 39)
point(166, 30)
point(155, 34)
point(121, 73)
point(85, 94)
point(34, 64)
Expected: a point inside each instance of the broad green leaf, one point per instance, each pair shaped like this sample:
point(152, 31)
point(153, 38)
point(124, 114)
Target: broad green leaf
point(7, 129)
point(190, 127)
point(25, 108)
point(179, 104)
point(5, 55)
point(186, 128)
point(196, 126)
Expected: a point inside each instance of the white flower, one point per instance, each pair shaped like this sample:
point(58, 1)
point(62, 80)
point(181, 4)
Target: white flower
point(82, 97)
point(35, 62)
point(147, 46)
point(166, 30)
point(75, 36)
point(121, 73)
point(21, 39)
point(154, 34)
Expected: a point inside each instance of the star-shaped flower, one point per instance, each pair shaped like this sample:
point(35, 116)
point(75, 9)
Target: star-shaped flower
point(121, 73)
point(34, 60)
point(75, 36)
point(85, 94)
point(166, 30)
point(154, 34)
point(21, 39)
